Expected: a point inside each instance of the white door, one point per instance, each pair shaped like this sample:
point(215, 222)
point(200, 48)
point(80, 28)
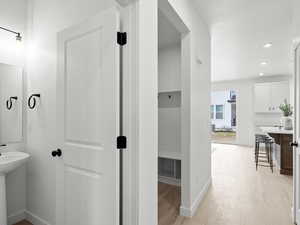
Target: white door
point(296, 155)
point(87, 115)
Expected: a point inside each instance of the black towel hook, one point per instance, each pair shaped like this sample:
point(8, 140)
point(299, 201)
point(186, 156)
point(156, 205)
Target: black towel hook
point(9, 102)
point(32, 100)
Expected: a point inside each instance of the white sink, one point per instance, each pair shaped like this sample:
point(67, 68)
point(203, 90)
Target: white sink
point(9, 161)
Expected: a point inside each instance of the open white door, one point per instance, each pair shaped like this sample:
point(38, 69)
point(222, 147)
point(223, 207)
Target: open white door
point(296, 154)
point(87, 114)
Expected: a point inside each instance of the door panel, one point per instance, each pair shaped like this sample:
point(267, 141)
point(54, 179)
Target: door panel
point(84, 78)
point(87, 115)
point(88, 186)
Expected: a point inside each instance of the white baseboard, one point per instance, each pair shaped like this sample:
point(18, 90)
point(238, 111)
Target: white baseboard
point(34, 219)
point(190, 212)
point(168, 180)
point(16, 217)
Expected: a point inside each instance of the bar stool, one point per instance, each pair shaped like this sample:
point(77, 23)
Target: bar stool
point(269, 145)
point(267, 155)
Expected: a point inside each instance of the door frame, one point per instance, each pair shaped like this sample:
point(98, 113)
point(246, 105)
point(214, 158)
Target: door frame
point(178, 22)
point(136, 20)
point(140, 86)
point(296, 46)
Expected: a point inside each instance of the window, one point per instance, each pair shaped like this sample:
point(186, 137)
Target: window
point(219, 112)
point(212, 111)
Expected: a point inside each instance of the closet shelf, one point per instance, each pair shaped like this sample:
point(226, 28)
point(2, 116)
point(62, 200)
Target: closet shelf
point(169, 155)
point(168, 91)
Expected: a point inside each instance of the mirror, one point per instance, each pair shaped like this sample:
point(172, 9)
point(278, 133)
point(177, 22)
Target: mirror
point(11, 98)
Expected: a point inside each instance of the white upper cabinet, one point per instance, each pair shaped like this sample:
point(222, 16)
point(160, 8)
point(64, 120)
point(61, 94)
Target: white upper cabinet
point(268, 96)
point(279, 92)
point(262, 92)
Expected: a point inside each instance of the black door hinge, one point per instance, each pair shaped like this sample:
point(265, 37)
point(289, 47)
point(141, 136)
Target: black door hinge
point(121, 142)
point(122, 38)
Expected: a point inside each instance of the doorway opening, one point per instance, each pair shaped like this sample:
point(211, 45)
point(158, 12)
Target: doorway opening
point(173, 75)
point(223, 116)
point(169, 121)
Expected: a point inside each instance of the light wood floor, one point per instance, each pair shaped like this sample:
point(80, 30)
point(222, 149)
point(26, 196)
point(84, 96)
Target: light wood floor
point(168, 203)
point(239, 194)
point(23, 223)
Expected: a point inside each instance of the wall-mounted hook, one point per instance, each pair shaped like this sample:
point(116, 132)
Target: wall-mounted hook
point(9, 102)
point(32, 100)
point(170, 96)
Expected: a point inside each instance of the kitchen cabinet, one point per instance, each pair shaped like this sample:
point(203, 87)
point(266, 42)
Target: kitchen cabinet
point(269, 96)
point(284, 156)
point(283, 150)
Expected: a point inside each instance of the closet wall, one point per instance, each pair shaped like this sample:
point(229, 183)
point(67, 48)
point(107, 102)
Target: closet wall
point(169, 113)
point(169, 68)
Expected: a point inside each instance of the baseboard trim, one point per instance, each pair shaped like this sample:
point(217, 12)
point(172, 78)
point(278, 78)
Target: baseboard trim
point(169, 180)
point(16, 217)
point(190, 212)
point(34, 219)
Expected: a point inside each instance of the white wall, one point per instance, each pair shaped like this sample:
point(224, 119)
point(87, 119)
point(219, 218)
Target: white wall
point(296, 18)
point(196, 164)
point(169, 68)
point(246, 118)
point(169, 110)
point(13, 15)
point(147, 111)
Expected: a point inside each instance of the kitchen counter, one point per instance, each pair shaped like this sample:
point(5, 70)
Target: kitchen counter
point(275, 130)
point(284, 152)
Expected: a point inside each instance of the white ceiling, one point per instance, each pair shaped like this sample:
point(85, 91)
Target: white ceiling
point(240, 28)
point(167, 33)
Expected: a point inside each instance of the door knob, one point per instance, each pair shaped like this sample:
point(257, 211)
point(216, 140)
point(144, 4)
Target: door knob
point(57, 152)
point(294, 144)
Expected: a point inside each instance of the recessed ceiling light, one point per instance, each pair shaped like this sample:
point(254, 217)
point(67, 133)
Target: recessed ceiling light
point(268, 45)
point(263, 63)
point(261, 74)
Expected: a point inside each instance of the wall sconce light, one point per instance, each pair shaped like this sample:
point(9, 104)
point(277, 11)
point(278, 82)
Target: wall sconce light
point(18, 35)
point(32, 100)
point(9, 102)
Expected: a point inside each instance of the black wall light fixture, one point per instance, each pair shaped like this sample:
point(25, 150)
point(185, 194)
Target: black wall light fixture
point(18, 35)
point(32, 100)
point(9, 102)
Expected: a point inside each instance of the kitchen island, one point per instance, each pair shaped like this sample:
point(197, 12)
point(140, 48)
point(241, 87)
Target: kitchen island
point(283, 150)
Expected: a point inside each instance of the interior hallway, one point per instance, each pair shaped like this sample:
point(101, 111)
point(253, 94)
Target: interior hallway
point(240, 195)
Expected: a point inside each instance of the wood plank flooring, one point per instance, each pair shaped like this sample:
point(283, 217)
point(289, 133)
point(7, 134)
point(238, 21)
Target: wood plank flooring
point(24, 222)
point(239, 194)
point(168, 203)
